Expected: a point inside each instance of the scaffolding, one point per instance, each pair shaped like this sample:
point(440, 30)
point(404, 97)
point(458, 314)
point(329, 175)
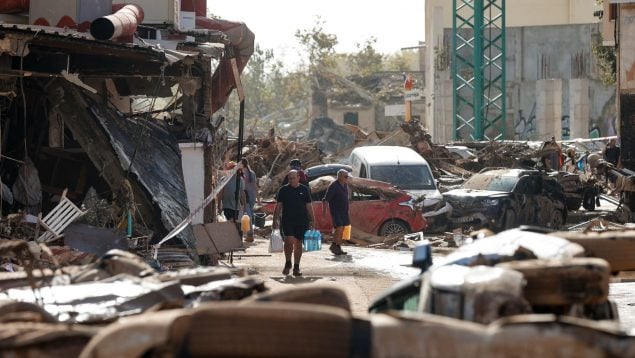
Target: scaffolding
point(478, 70)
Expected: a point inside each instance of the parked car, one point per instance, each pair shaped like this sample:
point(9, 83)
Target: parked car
point(407, 170)
point(506, 198)
point(317, 171)
point(375, 207)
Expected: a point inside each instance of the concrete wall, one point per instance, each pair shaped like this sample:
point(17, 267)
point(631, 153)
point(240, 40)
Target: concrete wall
point(555, 52)
point(365, 116)
point(543, 36)
point(527, 12)
point(534, 53)
point(549, 108)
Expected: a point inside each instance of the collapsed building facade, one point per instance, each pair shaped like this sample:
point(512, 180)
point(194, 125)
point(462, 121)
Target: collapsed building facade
point(95, 105)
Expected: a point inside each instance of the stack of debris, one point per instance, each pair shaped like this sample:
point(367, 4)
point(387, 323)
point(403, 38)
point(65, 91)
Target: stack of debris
point(270, 157)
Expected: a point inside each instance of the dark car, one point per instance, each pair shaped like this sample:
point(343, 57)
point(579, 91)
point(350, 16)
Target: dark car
point(501, 199)
point(325, 169)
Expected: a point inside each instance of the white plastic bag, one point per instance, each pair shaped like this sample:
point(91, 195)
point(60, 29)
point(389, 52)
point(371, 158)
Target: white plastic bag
point(276, 244)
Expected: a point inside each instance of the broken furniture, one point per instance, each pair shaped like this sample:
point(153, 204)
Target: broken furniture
point(218, 238)
point(62, 215)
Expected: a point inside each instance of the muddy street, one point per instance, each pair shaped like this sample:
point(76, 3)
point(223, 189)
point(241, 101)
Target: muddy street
point(364, 273)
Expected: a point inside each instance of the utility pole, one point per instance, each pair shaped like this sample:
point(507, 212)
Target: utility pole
point(478, 69)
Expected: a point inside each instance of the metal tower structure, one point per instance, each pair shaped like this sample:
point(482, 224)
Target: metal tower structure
point(478, 69)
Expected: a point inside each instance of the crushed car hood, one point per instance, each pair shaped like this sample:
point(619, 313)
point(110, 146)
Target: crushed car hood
point(472, 193)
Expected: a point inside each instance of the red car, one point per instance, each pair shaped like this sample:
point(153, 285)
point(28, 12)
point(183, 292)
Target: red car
point(375, 207)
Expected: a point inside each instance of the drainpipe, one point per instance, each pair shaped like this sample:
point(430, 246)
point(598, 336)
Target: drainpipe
point(120, 24)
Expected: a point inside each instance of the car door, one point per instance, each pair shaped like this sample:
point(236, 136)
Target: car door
point(523, 200)
point(367, 210)
point(525, 196)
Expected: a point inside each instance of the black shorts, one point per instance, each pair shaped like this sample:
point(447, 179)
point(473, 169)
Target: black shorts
point(294, 230)
point(340, 220)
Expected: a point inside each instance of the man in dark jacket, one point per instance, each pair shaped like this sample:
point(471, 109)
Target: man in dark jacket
point(337, 199)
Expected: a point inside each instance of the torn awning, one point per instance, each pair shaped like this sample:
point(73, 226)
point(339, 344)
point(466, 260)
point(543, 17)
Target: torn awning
point(241, 43)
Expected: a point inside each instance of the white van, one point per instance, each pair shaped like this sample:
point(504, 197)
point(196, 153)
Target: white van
point(408, 171)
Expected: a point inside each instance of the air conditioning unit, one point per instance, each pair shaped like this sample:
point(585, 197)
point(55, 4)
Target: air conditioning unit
point(154, 11)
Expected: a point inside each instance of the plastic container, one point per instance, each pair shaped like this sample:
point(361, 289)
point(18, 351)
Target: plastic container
point(346, 235)
point(312, 240)
point(317, 235)
point(245, 225)
point(259, 219)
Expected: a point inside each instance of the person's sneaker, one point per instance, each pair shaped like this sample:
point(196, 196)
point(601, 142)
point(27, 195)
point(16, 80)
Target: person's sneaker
point(287, 268)
point(342, 252)
point(336, 249)
point(297, 272)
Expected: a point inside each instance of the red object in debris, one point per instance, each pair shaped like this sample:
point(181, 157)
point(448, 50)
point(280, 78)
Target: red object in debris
point(197, 6)
point(408, 83)
point(120, 24)
point(66, 22)
point(13, 6)
point(41, 22)
point(242, 40)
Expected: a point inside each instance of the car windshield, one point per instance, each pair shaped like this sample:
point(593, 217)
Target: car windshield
point(405, 177)
point(491, 182)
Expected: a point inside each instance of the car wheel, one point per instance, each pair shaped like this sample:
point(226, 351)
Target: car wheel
point(393, 227)
point(509, 222)
point(557, 220)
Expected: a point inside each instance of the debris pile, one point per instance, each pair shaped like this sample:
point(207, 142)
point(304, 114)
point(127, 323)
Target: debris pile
point(270, 157)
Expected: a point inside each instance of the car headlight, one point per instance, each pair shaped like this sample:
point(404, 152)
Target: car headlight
point(490, 202)
point(408, 203)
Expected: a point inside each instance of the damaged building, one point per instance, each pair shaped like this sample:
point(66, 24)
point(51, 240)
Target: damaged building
point(96, 100)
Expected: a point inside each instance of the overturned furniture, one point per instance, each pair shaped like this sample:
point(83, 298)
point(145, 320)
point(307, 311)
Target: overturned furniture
point(62, 215)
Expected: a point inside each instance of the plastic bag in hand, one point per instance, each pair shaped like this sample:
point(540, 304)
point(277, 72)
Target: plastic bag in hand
point(276, 244)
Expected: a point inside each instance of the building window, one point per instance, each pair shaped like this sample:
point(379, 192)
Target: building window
point(351, 118)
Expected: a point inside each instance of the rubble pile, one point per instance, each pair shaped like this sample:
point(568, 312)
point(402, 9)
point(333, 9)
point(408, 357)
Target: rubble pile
point(270, 157)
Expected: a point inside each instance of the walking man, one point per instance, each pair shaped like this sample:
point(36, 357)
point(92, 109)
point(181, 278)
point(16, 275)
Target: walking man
point(227, 196)
point(337, 198)
point(251, 191)
point(293, 207)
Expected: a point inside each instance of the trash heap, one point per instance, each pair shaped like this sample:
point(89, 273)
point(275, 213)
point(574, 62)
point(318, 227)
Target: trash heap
point(270, 157)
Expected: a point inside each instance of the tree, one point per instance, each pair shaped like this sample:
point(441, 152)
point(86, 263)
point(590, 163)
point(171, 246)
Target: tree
point(401, 61)
point(366, 60)
point(269, 90)
point(320, 48)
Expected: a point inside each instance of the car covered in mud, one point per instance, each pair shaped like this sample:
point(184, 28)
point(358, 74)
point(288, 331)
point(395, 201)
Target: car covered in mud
point(500, 199)
point(375, 207)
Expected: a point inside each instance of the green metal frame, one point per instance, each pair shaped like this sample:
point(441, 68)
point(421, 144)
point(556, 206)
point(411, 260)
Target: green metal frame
point(478, 69)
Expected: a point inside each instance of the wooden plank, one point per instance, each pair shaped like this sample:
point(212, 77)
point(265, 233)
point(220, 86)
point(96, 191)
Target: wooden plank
point(616, 247)
point(563, 282)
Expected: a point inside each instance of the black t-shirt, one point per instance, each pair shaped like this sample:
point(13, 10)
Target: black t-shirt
point(294, 202)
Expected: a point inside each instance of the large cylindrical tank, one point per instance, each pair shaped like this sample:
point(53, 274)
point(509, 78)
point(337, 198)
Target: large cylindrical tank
point(122, 23)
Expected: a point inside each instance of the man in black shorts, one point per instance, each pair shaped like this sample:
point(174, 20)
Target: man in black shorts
point(337, 198)
point(294, 203)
